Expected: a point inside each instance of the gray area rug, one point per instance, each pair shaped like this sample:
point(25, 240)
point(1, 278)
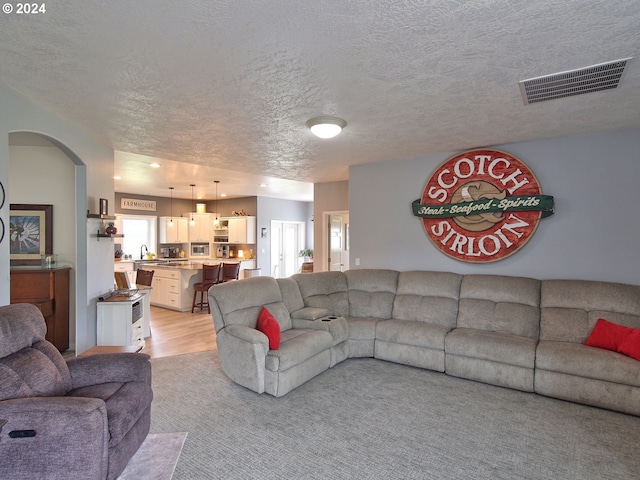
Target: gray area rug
point(370, 419)
point(156, 458)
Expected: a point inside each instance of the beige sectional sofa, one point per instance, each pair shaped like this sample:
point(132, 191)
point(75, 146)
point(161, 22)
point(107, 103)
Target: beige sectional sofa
point(513, 332)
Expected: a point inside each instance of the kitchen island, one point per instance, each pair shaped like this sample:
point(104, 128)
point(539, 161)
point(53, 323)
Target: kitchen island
point(173, 281)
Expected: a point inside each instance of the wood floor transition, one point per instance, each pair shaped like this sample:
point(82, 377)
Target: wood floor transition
point(177, 333)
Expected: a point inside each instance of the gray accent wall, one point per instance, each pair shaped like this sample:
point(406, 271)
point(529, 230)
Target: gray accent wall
point(593, 235)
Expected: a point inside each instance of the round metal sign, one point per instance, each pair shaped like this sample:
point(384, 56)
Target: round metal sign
point(482, 206)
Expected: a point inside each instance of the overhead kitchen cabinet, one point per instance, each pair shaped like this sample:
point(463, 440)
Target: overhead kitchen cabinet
point(241, 230)
point(176, 233)
point(200, 228)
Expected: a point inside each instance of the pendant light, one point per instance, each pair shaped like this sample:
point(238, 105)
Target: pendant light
point(171, 218)
point(193, 222)
point(216, 222)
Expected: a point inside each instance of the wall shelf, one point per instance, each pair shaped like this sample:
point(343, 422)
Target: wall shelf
point(106, 235)
point(100, 217)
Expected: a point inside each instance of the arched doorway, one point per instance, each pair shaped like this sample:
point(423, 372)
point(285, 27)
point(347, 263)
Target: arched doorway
point(44, 170)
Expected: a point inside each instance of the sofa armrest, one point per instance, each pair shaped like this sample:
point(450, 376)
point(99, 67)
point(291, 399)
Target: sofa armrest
point(310, 313)
point(109, 367)
point(336, 326)
point(70, 438)
point(242, 351)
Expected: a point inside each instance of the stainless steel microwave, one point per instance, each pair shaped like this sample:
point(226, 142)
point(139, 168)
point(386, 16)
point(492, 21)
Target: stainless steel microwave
point(199, 249)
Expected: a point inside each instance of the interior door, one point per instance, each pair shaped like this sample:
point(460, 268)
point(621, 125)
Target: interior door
point(335, 243)
point(286, 242)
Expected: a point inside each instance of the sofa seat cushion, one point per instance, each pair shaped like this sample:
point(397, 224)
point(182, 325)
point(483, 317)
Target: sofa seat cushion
point(590, 362)
point(362, 328)
point(413, 333)
point(492, 346)
point(296, 346)
point(125, 402)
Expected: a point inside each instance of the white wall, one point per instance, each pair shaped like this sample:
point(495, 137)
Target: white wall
point(593, 235)
point(93, 167)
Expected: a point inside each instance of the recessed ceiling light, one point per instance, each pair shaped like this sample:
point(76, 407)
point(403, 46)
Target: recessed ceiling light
point(154, 165)
point(116, 177)
point(263, 185)
point(326, 127)
point(223, 194)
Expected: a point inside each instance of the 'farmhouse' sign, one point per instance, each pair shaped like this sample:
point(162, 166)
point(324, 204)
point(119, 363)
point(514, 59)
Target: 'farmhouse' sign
point(482, 206)
point(137, 204)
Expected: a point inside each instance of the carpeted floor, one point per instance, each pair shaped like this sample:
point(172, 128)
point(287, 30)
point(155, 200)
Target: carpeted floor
point(369, 419)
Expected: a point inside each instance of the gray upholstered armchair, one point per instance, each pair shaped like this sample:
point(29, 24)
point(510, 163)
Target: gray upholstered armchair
point(82, 418)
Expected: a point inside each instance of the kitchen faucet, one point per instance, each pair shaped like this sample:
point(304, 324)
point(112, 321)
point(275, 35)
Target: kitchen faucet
point(146, 250)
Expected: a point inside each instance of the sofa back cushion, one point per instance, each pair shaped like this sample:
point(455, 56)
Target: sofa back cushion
point(21, 325)
point(239, 302)
point(291, 295)
point(371, 292)
point(427, 297)
point(37, 371)
point(571, 308)
point(324, 290)
point(500, 304)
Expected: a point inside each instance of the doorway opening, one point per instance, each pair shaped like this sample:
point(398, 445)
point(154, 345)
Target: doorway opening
point(336, 240)
point(287, 239)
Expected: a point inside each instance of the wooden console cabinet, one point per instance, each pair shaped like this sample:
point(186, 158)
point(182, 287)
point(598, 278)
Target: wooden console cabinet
point(48, 289)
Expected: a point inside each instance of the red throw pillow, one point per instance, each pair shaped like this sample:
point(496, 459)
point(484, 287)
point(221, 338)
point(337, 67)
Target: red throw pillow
point(630, 346)
point(268, 325)
point(607, 335)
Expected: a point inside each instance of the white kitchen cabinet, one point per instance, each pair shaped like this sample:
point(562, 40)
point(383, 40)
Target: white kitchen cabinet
point(200, 229)
point(241, 230)
point(173, 288)
point(121, 321)
point(176, 233)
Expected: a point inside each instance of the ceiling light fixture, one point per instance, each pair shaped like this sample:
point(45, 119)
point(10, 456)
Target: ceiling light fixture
point(171, 218)
point(154, 165)
point(216, 222)
point(193, 222)
point(326, 127)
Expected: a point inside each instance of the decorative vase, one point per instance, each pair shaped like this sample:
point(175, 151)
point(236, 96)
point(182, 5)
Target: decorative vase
point(111, 230)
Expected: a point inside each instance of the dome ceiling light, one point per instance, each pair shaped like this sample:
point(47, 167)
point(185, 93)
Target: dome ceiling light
point(326, 127)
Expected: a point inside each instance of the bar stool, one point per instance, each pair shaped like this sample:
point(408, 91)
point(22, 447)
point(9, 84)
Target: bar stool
point(210, 277)
point(144, 277)
point(230, 271)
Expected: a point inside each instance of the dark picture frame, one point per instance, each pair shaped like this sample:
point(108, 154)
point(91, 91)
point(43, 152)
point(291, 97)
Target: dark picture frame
point(30, 233)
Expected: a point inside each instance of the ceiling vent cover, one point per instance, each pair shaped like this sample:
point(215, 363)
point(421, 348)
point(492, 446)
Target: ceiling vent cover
point(573, 82)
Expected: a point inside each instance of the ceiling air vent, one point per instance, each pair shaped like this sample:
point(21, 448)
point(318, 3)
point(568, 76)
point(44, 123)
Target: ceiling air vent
point(573, 82)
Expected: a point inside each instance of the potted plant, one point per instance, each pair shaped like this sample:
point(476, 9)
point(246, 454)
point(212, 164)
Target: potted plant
point(307, 254)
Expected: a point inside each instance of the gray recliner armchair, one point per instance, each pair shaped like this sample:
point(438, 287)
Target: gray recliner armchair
point(81, 418)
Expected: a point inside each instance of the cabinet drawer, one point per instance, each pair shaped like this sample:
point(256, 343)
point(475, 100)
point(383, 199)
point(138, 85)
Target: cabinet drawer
point(137, 335)
point(173, 286)
point(173, 274)
point(173, 299)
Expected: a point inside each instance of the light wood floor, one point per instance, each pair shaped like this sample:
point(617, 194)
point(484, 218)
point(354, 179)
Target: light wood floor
point(177, 333)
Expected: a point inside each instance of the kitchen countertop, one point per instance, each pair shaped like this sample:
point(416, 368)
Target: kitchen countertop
point(182, 263)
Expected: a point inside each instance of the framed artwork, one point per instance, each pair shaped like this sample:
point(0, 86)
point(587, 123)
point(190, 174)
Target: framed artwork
point(30, 233)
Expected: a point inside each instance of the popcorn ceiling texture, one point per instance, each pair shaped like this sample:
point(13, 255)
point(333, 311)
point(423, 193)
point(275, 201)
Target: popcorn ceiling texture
point(232, 83)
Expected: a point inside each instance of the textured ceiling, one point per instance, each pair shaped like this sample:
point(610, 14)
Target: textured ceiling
point(227, 86)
